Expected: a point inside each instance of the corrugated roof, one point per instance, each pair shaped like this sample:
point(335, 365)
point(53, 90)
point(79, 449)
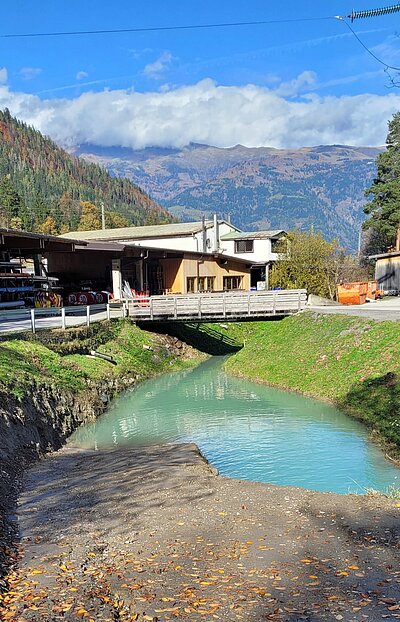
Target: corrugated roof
point(251, 235)
point(138, 233)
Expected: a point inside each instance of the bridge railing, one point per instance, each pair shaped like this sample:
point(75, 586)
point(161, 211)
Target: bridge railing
point(218, 306)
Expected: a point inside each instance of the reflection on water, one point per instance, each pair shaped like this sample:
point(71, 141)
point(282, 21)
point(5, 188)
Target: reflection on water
point(246, 430)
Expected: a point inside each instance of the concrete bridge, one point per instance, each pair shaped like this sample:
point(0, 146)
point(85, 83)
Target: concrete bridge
point(228, 306)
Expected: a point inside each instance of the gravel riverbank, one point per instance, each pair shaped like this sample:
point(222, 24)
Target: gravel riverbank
point(154, 533)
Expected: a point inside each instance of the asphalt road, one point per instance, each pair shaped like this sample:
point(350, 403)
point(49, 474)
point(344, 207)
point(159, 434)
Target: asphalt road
point(380, 310)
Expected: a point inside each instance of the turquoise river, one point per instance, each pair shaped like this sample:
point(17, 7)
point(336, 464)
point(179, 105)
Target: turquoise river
point(246, 430)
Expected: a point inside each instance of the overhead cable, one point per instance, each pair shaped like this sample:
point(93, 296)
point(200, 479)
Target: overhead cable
point(161, 28)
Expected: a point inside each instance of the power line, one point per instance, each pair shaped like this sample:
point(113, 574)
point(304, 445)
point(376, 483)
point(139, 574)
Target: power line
point(163, 28)
point(366, 48)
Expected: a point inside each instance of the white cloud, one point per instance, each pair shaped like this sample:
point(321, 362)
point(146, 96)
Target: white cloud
point(206, 113)
point(155, 69)
point(81, 75)
point(3, 75)
point(28, 73)
point(303, 82)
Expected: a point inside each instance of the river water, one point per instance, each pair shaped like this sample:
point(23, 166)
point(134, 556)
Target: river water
point(246, 430)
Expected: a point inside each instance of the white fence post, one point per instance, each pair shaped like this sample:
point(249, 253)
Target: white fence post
point(63, 324)
point(274, 304)
point(151, 308)
point(248, 303)
point(175, 309)
point(33, 321)
point(108, 311)
point(88, 315)
point(199, 299)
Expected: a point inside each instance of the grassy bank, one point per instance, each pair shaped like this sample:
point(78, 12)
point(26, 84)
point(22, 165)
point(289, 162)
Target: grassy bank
point(60, 358)
point(352, 362)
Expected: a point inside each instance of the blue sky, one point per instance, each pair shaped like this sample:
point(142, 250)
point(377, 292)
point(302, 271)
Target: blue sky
point(222, 85)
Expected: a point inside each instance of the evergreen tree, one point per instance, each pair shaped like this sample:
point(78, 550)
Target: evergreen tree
point(49, 181)
point(384, 208)
point(10, 201)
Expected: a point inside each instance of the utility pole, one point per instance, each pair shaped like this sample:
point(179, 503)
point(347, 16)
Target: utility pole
point(103, 216)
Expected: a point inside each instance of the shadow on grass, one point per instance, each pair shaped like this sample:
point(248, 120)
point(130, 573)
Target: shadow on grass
point(200, 336)
point(376, 402)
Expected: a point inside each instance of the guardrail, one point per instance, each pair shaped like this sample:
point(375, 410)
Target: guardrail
point(88, 311)
point(217, 306)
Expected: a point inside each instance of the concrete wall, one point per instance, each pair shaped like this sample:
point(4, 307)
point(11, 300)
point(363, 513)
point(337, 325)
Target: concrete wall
point(261, 251)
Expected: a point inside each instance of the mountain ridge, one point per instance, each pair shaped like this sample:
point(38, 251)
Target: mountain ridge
point(321, 186)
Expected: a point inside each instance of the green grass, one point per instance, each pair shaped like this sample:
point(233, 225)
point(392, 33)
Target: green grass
point(26, 361)
point(351, 362)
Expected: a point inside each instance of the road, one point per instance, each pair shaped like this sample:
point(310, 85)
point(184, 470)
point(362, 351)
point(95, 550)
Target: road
point(12, 323)
point(380, 310)
point(388, 309)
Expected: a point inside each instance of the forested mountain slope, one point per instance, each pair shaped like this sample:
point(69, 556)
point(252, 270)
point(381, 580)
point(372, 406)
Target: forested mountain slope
point(41, 183)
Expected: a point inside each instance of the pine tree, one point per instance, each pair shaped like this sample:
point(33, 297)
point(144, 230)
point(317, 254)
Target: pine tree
point(384, 208)
point(10, 201)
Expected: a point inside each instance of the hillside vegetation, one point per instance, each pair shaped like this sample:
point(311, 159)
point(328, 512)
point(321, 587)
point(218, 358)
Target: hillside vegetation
point(351, 362)
point(38, 181)
point(261, 188)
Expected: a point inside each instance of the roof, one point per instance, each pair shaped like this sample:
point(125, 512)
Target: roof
point(26, 242)
point(138, 233)
point(252, 235)
point(385, 255)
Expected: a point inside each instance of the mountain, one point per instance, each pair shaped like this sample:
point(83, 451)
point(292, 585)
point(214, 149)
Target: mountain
point(321, 187)
point(38, 180)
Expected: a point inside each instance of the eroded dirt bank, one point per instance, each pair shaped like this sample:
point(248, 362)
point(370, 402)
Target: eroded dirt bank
point(48, 387)
point(155, 534)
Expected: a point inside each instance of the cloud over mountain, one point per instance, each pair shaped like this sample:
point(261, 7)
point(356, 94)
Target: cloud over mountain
point(208, 113)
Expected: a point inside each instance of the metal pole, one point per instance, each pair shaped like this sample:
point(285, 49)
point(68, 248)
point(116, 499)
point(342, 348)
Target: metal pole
point(108, 312)
point(63, 324)
point(151, 308)
point(200, 305)
point(103, 217)
point(33, 321)
point(87, 315)
point(248, 304)
point(175, 309)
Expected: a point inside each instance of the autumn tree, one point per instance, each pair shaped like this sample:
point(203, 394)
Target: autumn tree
point(48, 226)
point(384, 208)
point(115, 220)
point(90, 217)
point(307, 261)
